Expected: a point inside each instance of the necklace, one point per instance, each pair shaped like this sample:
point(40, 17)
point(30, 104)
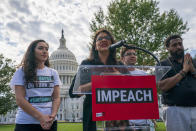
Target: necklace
point(172, 65)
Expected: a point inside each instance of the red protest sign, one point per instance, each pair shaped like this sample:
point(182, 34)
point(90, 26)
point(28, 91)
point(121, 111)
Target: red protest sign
point(124, 97)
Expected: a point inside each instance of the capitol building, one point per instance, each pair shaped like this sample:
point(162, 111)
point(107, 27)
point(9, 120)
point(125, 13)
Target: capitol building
point(64, 61)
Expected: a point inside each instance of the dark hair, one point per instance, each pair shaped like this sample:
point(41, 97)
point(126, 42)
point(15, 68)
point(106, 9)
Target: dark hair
point(94, 53)
point(29, 63)
point(167, 41)
point(124, 49)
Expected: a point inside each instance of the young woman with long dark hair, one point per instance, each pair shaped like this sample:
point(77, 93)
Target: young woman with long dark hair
point(37, 90)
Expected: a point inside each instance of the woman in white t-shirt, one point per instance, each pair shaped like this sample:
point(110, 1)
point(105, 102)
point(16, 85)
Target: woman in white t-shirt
point(37, 90)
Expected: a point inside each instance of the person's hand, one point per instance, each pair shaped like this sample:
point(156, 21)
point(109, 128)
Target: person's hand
point(85, 87)
point(46, 122)
point(187, 63)
point(192, 68)
point(52, 117)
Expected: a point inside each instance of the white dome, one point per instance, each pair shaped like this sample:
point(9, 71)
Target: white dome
point(62, 54)
point(64, 62)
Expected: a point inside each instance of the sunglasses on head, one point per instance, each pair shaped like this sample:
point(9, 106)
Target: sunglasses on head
point(105, 37)
point(129, 54)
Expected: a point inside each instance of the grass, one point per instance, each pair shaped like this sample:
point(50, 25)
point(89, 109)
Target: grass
point(69, 127)
point(160, 126)
point(7, 127)
point(61, 127)
point(73, 127)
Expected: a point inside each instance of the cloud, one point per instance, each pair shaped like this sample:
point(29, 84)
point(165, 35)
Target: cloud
point(12, 43)
point(34, 27)
point(15, 26)
point(20, 5)
point(21, 52)
point(1, 38)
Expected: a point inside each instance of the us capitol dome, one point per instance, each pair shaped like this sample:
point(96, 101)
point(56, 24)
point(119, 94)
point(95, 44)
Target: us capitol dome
point(64, 61)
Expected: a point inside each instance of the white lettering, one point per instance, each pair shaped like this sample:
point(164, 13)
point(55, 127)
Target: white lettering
point(123, 95)
point(98, 94)
point(131, 96)
point(106, 97)
point(115, 94)
point(149, 95)
point(137, 95)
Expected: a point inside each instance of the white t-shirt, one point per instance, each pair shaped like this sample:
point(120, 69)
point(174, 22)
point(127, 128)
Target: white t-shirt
point(39, 94)
point(138, 72)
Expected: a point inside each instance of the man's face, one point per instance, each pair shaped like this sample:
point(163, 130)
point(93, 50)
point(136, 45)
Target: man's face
point(176, 48)
point(129, 57)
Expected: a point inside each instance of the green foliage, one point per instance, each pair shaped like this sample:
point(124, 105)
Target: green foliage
point(142, 24)
point(7, 98)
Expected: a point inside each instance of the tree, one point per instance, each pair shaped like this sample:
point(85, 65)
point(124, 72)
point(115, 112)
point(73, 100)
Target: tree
point(142, 24)
point(7, 98)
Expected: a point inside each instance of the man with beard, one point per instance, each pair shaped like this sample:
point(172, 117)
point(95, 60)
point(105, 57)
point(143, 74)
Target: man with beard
point(178, 88)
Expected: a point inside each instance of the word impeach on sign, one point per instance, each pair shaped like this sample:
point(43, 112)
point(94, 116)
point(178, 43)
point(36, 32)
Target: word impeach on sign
point(124, 95)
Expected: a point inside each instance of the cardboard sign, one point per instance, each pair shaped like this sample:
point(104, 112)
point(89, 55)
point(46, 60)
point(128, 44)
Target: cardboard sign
point(124, 97)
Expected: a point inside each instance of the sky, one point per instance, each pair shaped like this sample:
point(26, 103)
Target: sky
point(22, 21)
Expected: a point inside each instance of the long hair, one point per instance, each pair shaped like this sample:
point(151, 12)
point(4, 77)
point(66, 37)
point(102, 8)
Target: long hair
point(94, 53)
point(29, 64)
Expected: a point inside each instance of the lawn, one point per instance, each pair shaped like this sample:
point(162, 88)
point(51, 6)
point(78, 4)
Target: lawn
point(160, 126)
point(73, 127)
point(61, 127)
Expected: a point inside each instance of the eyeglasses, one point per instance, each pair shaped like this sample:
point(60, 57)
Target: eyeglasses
point(129, 54)
point(105, 37)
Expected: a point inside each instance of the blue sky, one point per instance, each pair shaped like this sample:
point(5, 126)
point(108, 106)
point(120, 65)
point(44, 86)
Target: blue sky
point(22, 21)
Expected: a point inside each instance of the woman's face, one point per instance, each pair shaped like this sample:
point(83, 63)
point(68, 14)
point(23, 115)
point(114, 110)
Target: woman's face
point(103, 42)
point(41, 52)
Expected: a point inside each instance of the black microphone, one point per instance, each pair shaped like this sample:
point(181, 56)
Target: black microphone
point(117, 45)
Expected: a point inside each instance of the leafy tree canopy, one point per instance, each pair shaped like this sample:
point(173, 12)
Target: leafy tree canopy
point(142, 24)
point(7, 98)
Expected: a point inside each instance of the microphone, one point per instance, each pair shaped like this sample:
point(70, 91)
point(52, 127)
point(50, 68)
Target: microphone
point(117, 45)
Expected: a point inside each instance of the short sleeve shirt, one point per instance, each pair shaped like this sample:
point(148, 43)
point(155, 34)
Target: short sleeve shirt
point(39, 93)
